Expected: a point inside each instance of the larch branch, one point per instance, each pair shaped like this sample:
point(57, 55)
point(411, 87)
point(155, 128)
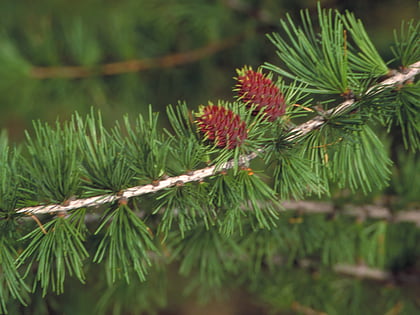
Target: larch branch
point(398, 78)
point(363, 212)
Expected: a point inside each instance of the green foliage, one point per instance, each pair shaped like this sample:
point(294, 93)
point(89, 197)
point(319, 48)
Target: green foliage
point(225, 195)
point(321, 64)
point(147, 157)
point(228, 227)
point(214, 255)
point(139, 296)
point(11, 282)
point(255, 191)
point(326, 61)
point(126, 245)
point(56, 250)
point(406, 48)
point(9, 179)
point(105, 167)
point(355, 159)
point(400, 246)
point(362, 163)
point(53, 173)
point(186, 205)
point(407, 115)
point(294, 177)
point(319, 291)
point(406, 179)
point(186, 151)
point(365, 59)
point(373, 243)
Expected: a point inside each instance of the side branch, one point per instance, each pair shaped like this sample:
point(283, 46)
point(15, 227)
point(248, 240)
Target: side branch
point(135, 65)
point(396, 79)
point(362, 213)
point(301, 130)
point(133, 191)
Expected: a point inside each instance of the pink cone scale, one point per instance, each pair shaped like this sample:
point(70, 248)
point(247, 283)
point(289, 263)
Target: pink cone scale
point(256, 89)
point(222, 126)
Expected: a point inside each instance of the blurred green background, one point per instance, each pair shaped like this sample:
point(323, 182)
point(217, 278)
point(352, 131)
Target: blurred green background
point(60, 56)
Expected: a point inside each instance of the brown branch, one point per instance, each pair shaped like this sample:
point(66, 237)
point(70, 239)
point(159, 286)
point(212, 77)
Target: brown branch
point(135, 65)
point(201, 174)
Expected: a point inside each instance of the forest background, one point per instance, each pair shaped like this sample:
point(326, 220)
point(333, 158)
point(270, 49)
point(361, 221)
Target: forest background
point(58, 57)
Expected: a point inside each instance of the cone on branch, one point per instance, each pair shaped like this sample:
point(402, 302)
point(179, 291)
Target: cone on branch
point(221, 126)
point(216, 213)
point(257, 90)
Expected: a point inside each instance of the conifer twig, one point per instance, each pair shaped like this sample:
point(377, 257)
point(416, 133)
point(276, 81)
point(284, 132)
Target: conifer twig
point(133, 191)
point(301, 130)
point(397, 78)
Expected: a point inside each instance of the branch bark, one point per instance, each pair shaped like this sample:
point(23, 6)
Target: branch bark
point(396, 79)
point(198, 175)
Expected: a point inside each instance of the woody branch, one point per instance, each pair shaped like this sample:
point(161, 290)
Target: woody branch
point(398, 78)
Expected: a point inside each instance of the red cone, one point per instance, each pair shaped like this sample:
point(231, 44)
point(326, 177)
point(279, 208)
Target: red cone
point(222, 126)
point(256, 89)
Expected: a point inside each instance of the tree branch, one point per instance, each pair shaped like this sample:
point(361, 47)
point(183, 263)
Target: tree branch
point(132, 191)
point(363, 271)
point(363, 212)
point(135, 65)
point(301, 130)
point(396, 79)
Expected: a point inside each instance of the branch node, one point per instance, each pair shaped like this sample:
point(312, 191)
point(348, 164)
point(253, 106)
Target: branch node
point(179, 183)
point(35, 218)
point(122, 201)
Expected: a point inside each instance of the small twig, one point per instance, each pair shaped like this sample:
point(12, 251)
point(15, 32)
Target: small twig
point(327, 144)
point(303, 107)
point(201, 174)
point(318, 121)
point(35, 218)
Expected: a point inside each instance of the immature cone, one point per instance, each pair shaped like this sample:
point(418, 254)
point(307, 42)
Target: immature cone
point(222, 126)
point(256, 89)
